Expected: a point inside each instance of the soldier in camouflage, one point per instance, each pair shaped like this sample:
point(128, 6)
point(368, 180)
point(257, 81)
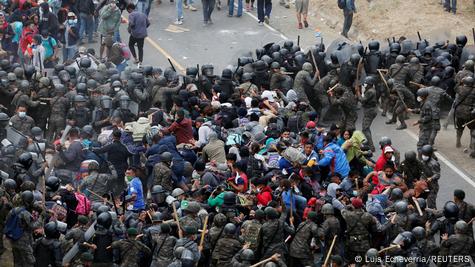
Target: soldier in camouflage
point(227, 246)
point(369, 102)
point(130, 249)
point(163, 244)
point(59, 107)
point(300, 247)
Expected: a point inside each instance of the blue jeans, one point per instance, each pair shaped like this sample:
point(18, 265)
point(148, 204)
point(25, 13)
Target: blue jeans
point(86, 25)
point(121, 67)
point(239, 8)
point(264, 7)
point(142, 6)
point(179, 9)
point(450, 5)
point(69, 52)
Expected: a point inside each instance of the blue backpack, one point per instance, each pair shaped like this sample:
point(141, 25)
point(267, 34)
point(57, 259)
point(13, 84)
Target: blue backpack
point(13, 229)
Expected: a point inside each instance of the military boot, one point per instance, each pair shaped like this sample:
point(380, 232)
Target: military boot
point(403, 125)
point(458, 144)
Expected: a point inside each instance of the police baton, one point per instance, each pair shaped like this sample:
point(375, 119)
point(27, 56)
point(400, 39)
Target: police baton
point(330, 251)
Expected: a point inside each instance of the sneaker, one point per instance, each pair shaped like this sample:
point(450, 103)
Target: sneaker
point(210, 21)
point(178, 22)
point(185, 6)
point(260, 23)
point(182, 18)
point(192, 8)
point(229, 15)
point(266, 19)
point(300, 26)
point(305, 23)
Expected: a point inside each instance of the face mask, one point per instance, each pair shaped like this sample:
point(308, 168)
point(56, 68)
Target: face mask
point(129, 178)
point(72, 21)
point(22, 114)
point(419, 99)
point(116, 89)
point(425, 158)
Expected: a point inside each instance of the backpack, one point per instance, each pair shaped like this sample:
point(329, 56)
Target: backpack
point(294, 155)
point(251, 234)
point(13, 230)
point(84, 205)
point(255, 167)
point(341, 4)
point(124, 49)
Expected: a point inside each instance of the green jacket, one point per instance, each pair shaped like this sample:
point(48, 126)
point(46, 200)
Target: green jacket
point(216, 201)
point(109, 20)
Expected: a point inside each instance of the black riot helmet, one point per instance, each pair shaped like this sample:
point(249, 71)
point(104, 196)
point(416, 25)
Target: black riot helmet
point(91, 84)
point(435, 81)
point(288, 44)
point(276, 56)
point(59, 89)
point(461, 40)
point(230, 229)
point(226, 74)
point(427, 150)
point(385, 141)
point(124, 101)
point(229, 198)
point(85, 62)
point(27, 198)
point(106, 102)
point(4, 120)
point(373, 46)
point(29, 71)
point(359, 48)
point(64, 76)
point(369, 81)
point(410, 156)
point(25, 159)
point(260, 52)
point(274, 48)
point(71, 70)
point(419, 233)
point(422, 203)
point(405, 240)
point(53, 183)
point(451, 210)
point(395, 48)
point(147, 70)
point(396, 194)
point(51, 230)
point(191, 72)
point(334, 58)
point(400, 207)
point(105, 220)
point(461, 227)
point(81, 88)
point(266, 59)
point(9, 184)
point(295, 49)
point(58, 68)
point(246, 77)
point(247, 255)
point(207, 70)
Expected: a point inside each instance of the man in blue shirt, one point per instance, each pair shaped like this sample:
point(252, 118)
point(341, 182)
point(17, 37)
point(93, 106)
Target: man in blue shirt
point(51, 47)
point(135, 189)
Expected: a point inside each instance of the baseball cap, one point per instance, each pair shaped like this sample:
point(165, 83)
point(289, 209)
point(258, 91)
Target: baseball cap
point(311, 125)
point(388, 149)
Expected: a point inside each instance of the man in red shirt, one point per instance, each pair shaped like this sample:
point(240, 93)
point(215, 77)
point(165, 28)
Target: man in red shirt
point(29, 31)
point(182, 128)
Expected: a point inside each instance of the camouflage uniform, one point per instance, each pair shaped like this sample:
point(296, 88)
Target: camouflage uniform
point(435, 95)
point(189, 220)
point(404, 99)
point(360, 224)
point(329, 228)
point(303, 86)
point(162, 176)
point(250, 232)
point(190, 245)
point(225, 249)
point(347, 102)
point(129, 251)
point(248, 89)
point(463, 105)
point(57, 119)
point(99, 183)
point(300, 247)
point(369, 103)
point(81, 116)
point(460, 245)
point(272, 236)
point(23, 99)
point(431, 169)
point(163, 245)
point(23, 125)
point(6, 200)
point(425, 124)
point(22, 248)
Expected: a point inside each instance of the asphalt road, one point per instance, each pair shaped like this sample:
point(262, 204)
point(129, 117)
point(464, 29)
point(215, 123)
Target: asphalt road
point(228, 38)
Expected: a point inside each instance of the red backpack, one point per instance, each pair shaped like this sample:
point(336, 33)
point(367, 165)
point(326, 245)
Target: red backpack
point(84, 205)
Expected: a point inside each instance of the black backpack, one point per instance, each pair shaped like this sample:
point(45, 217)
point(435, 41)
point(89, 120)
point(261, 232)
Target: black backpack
point(341, 4)
point(255, 168)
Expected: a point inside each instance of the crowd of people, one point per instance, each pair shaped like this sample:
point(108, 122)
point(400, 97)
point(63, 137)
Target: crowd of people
point(104, 164)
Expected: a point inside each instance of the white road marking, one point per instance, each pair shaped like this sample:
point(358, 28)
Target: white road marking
point(447, 162)
point(265, 24)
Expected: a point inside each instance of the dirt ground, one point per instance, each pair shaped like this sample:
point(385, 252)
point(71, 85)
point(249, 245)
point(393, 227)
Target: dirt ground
point(382, 19)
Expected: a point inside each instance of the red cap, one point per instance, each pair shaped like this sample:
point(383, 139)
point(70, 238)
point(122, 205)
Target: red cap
point(357, 203)
point(311, 125)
